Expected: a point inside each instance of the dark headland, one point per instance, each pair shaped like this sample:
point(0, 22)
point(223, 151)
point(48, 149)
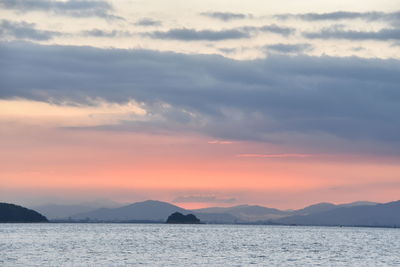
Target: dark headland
point(179, 218)
point(10, 213)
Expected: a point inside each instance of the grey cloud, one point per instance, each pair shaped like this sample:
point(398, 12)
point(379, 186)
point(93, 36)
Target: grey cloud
point(289, 48)
point(339, 33)
point(219, 35)
point(225, 16)
point(317, 104)
point(199, 35)
point(75, 8)
point(24, 31)
point(102, 33)
point(285, 31)
point(341, 15)
point(203, 199)
point(228, 50)
point(358, 48)
point(148, 22)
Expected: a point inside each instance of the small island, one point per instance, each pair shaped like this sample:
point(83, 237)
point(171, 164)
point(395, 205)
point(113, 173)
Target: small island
point(10, 213)
point(179, 218)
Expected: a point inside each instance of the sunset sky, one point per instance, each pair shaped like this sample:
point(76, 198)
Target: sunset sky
point(200, 102)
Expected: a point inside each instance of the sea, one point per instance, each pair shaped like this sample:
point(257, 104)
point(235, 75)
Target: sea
point(80, 244)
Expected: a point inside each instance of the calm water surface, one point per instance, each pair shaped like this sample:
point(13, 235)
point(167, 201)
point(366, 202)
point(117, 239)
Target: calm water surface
point(188, 245)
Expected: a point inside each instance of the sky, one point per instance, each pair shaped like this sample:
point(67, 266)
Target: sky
point(199, 103)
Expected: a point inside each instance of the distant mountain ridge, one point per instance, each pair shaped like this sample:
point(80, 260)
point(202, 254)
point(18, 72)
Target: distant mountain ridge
point(360, 213)
point(383, 215)
point(58, 211)
point(158, 211)
point(247, 213)
point(255, 213)
point(150, 210)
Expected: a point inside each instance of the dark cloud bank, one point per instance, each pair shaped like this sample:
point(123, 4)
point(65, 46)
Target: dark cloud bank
point(316, 103)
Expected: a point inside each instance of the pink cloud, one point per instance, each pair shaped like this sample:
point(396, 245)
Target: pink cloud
point(220, 142)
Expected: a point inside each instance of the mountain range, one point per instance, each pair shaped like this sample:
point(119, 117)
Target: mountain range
point(384, 215)
point(361, 213)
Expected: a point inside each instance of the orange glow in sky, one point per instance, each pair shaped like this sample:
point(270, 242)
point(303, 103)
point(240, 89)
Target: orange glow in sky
point(165, 167)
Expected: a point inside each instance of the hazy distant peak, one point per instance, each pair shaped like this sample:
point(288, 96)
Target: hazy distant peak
point(149, 210)
point(321, 204)
point(150, 203)
point(359, 203)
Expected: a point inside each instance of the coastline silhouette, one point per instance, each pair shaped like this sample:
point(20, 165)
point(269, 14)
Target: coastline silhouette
point(18, 214)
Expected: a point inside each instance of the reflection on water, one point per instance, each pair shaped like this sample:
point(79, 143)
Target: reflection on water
point(184, 245)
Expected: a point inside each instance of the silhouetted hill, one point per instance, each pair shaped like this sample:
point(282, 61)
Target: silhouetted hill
point(179, 218)
point(385, 215)
point(149, 210)
point(15, 213)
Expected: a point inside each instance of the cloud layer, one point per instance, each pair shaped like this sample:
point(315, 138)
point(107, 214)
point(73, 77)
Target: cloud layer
point(317, 103)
